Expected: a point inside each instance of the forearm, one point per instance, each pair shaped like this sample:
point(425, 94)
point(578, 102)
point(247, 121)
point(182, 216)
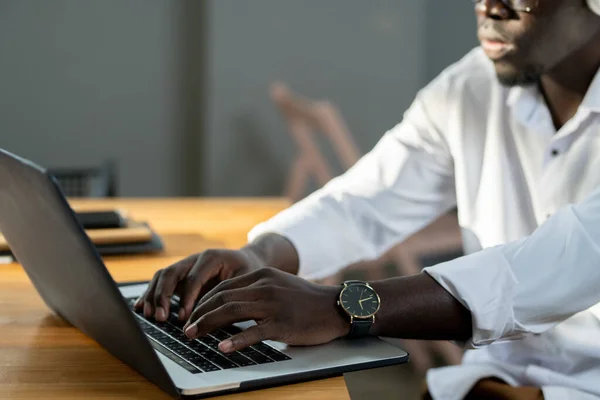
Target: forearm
point(417, 307)
point(275, 251)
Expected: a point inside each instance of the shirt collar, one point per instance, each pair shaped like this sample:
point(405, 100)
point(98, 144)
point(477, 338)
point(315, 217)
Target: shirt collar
point(528, 107)
point(524, 99)
point(591, 101)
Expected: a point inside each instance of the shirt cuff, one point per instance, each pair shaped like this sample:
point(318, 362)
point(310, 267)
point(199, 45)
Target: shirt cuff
point(485, 284)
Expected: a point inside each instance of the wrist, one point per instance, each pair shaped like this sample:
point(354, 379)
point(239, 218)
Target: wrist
point(273, 250)
point(253, 260)
point(340, 322)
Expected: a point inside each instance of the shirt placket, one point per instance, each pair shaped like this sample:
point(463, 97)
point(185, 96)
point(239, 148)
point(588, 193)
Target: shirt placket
point(554, 188)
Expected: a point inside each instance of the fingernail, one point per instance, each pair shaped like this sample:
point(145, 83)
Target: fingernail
point(161, 314)
point(181, 314)
point(138, 302)
point(226, 346)
point(191, 331)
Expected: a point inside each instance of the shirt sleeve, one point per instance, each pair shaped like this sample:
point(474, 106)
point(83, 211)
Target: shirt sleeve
point(400, 186)
point(530, 285)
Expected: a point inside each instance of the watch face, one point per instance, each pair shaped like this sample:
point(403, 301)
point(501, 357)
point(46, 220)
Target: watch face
point(359, 301)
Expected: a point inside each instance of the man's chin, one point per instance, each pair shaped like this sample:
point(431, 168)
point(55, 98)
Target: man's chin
point(508, 76)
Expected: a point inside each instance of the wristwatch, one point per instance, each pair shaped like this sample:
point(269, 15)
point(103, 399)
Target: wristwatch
point(359, 301)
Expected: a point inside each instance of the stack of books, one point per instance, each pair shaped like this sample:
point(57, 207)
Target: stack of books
point(111, 233)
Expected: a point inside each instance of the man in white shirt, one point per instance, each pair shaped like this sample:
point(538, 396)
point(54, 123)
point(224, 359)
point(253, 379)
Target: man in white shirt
point(511, 135)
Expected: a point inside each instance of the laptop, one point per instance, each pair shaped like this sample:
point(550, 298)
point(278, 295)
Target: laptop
point(70, 276)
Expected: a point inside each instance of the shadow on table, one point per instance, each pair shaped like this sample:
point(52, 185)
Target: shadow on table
point(395, 382)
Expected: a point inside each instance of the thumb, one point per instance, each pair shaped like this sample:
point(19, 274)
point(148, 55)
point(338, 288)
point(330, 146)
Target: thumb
point(250, 336)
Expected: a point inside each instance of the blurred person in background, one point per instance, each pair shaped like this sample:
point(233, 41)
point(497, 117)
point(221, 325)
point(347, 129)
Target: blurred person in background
point(510, 134)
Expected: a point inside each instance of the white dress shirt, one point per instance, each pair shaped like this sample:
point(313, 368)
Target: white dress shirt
point(493, 152)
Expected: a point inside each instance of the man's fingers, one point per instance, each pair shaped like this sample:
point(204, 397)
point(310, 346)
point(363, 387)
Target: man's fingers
point(147, 300)
point(137, 305)
point(205, 268)
point(225, 315)
point(235, 283)
point(249, 294)
point(148, 295)
point(253, 335)
point(165, 287)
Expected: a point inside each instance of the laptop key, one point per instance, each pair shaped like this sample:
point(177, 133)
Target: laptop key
point(210, 342)
point(221, 361)
point(181, 337)
point(148, 328)
point(187, 352)
point(160, 336)
point(262, 348)
point(168, 342)
point(220, 335)
point(212, 355)
point(239, 359)
point(208, 367)
point(203, 364)
point(255, 356)
point(271, 352)
point(200, 348)
point(277, 356)
point(193, 357)
point(170, 329)
point(178, 348)
point(204, 351)
point(175, 358)
point(160, 325)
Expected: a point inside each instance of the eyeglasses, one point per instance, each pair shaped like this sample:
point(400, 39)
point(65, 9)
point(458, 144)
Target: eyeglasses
point(516, 5)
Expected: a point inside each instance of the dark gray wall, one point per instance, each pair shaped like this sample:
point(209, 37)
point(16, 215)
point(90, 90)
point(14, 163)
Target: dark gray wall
point(366, 56)
point(85, 80)
point(369, 57)
point(176, 90)
point(450, 32)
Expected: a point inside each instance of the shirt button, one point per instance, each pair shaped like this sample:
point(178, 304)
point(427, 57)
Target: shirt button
point(554, 152)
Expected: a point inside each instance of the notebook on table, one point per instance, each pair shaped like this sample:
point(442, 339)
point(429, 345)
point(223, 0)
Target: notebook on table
point(111, 236)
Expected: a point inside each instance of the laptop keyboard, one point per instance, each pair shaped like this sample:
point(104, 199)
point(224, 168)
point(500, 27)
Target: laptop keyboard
point(202, 354)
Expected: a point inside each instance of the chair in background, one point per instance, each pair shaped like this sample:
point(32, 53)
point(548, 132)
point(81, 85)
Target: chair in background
point(305, 119)
point(94, 182)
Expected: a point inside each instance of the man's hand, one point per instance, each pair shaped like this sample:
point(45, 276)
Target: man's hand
point(197, 274)
point(285, 307)
point(191, 277)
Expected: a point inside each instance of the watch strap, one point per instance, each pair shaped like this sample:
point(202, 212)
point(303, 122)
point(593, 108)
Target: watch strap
point(360, 328)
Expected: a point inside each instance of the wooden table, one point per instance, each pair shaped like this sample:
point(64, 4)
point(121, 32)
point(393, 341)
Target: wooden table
point(43, 357)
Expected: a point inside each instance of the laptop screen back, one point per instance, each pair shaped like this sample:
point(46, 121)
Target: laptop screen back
point(65, 268)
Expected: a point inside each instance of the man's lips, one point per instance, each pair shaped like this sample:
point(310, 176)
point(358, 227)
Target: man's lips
point(495, 48)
